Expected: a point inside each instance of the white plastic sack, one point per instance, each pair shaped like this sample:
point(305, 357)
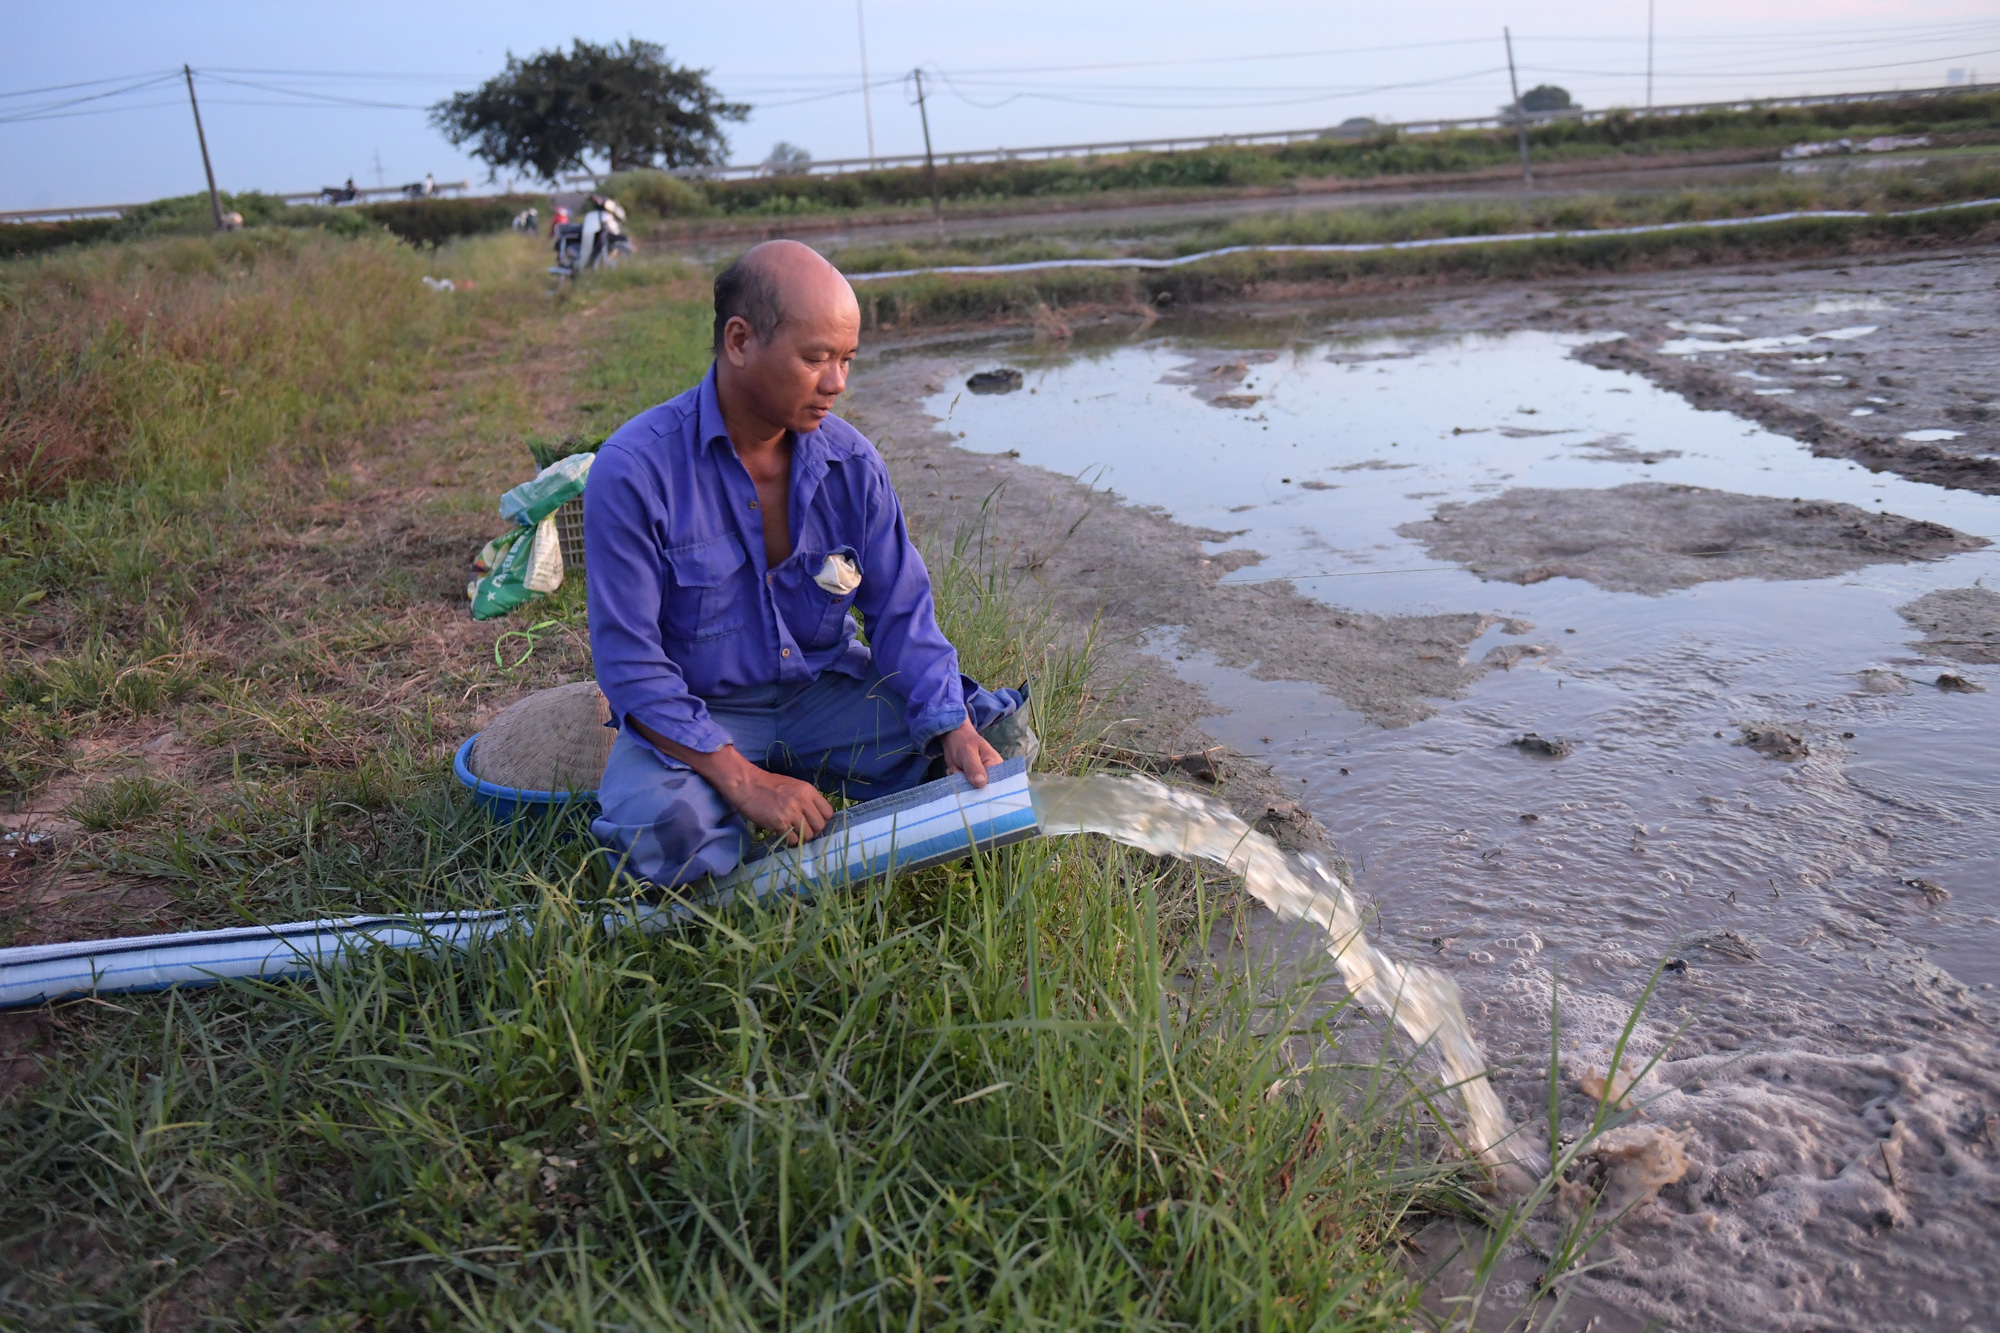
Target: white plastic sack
point(545, 562)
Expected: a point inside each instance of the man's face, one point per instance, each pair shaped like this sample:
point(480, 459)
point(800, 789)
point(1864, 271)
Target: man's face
point(793, 380)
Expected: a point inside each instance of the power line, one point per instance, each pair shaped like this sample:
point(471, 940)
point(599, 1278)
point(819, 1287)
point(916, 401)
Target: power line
point(94, 111)
point(317, 97)
point(88, 83)
point(31, 112)
point(1761, 73)
point(1320, 94)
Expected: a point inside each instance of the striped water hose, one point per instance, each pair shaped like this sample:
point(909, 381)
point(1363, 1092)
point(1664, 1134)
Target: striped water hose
point(929, 825)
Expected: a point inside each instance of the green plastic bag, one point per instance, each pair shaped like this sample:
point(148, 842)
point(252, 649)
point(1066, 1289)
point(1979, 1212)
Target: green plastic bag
point(530, 566)
point(528, 561)
point(559, 482)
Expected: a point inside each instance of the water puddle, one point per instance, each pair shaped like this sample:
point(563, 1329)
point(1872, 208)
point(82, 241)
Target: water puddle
point(1757, 774)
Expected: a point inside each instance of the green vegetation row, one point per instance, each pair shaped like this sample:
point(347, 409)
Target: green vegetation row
point(422, 222)
point(930, 299)
point(1388, 154)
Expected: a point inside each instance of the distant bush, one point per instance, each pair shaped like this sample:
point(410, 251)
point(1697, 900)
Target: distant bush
point(32, 238)
point(429, 223)
point(183, 215)
point(193, 215)
point(655, 194)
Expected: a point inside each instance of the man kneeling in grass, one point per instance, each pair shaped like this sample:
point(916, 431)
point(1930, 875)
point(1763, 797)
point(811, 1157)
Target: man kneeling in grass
point(728, 533)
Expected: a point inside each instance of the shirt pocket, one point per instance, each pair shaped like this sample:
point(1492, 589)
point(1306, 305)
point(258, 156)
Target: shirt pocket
point(706, 601)
point(817, 618)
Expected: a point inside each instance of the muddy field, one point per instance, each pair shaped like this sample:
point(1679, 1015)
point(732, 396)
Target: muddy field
point(1590, 652)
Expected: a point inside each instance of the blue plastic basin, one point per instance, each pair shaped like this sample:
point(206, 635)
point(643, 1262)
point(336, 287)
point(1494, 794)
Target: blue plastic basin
point(507, 804)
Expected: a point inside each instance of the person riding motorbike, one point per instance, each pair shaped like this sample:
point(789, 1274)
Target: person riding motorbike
point(596, 242)
point(603, 238)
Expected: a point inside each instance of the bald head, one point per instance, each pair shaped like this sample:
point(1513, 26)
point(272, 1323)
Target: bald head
point(776, 282)
point(787, 327)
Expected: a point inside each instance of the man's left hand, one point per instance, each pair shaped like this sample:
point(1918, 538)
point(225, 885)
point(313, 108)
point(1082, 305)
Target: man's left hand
point(966, 752)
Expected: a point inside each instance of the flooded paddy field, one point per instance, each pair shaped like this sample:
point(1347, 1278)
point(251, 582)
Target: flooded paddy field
point(1582, 670)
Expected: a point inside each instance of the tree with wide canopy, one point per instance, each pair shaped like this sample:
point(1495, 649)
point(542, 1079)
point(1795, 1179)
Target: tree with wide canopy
point(626, 102)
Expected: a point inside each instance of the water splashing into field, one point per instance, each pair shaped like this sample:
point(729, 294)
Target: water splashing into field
point(1142, 813)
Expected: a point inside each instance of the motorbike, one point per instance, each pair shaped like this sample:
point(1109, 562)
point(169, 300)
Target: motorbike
point(598, 241)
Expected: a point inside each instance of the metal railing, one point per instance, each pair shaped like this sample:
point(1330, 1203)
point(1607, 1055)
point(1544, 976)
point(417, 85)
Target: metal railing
point(299, 197)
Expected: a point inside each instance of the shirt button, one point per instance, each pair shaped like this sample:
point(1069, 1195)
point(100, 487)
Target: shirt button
point(784, 652)
point(753, 504)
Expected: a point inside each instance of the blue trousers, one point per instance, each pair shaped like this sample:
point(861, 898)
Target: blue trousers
point(844, 735)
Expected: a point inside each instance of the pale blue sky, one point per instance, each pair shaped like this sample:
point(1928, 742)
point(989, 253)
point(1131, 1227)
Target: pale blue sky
point(1009, 72)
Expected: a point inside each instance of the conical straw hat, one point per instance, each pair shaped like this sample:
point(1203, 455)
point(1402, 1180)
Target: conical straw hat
point(553, 740)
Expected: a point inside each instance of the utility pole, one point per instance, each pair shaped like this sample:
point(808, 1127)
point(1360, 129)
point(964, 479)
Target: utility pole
point(867, 104)
point(930, 163)
point(214, 199)
point(1649, 53)
point(1520, 116)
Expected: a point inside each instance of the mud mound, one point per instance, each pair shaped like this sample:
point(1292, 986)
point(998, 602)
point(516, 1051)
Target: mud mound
point(1961, 623)
point(1651, 537)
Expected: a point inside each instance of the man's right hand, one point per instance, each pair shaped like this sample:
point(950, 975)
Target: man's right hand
point(768, 800)
point(773, 801)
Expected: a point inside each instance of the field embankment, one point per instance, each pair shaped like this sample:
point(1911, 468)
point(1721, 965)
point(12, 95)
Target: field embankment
point(1591, 243)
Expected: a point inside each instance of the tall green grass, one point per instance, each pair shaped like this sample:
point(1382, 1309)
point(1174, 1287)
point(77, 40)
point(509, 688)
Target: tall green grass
point(171, 410)
point(186, 361)
point(1013, 1093)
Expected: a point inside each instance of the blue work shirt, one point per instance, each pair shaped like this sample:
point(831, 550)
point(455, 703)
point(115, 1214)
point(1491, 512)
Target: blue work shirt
point(683, 606)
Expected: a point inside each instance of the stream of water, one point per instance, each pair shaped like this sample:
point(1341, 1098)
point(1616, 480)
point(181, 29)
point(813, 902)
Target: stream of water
point(1142, 813)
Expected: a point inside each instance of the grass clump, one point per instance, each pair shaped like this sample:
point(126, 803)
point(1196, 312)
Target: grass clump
point(186, 361)
point(427, 223)
point(1878, 192)
point(120, 803)
point(966, 1099)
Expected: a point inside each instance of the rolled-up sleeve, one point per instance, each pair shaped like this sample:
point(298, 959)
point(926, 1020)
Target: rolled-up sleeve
point(910, 650)
point(623, 517)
